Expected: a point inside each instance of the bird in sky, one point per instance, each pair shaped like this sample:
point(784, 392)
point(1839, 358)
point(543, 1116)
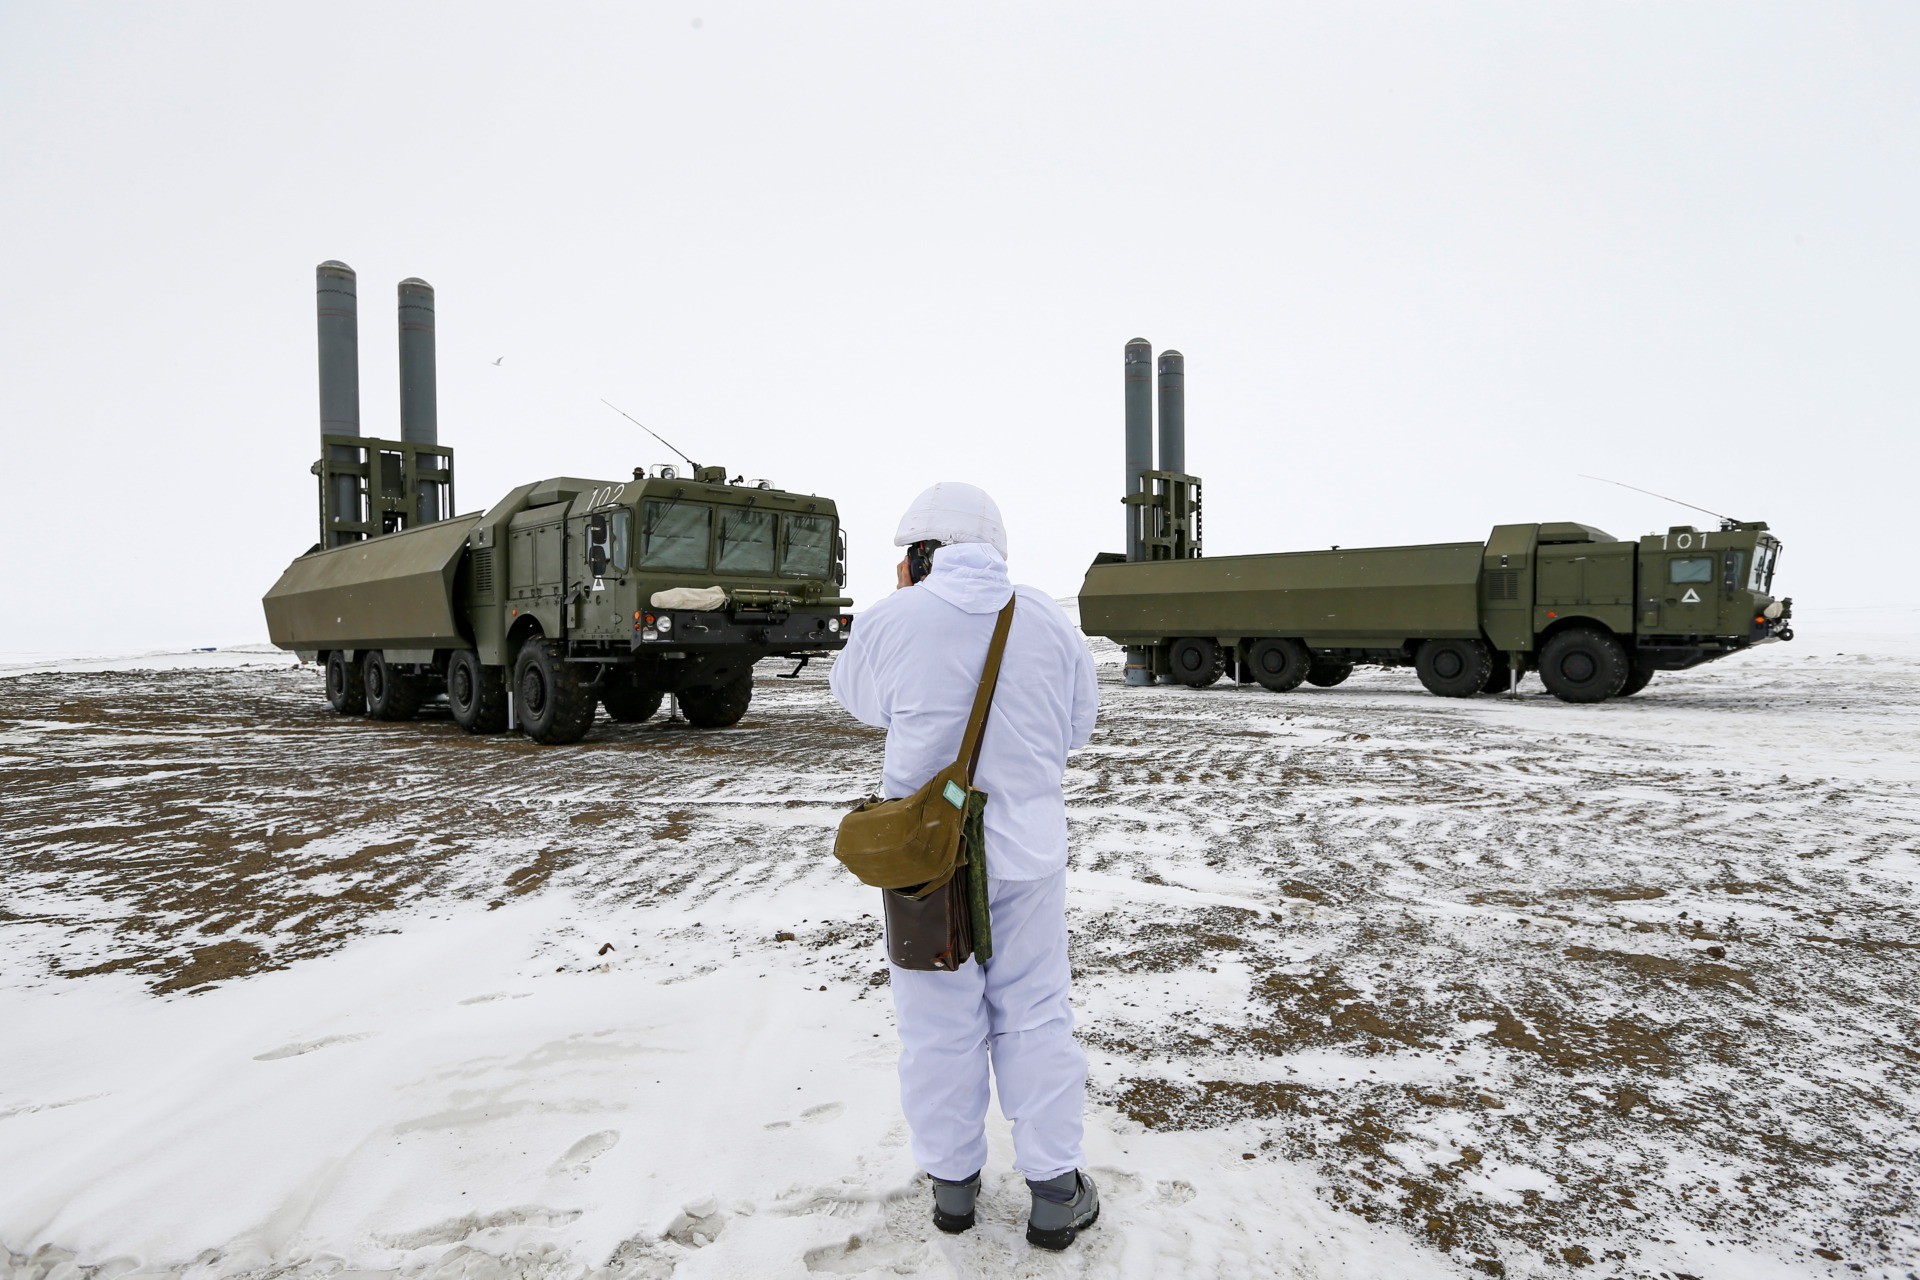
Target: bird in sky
point(497, 361)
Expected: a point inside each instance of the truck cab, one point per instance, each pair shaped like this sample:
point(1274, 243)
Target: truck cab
point(1696, 584)
point(662, 584)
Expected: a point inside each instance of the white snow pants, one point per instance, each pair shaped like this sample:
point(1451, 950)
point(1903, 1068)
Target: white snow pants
point(1012, 1010)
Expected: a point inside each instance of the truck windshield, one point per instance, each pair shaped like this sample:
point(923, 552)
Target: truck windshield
point(675, 535)
point(807, 548)
point(1763, 557)
point(746, 542)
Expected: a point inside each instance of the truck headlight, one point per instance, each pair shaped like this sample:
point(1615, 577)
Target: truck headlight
point(1772, 612)
point(664, 625)
point(833, 626)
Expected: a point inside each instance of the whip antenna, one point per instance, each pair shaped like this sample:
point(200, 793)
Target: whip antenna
point(662, 439)
point(1637, 489)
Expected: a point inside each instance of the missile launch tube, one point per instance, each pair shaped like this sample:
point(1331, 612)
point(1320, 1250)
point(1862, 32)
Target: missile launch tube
point(1173, 411)
point(337, 304)
point(419, 393)
point(1139, 385)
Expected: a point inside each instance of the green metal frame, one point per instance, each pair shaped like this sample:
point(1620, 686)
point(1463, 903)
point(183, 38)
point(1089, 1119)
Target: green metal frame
point(389, 504)
point(1170, 518)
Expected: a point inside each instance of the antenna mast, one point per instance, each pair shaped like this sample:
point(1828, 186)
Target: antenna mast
point(662, 439)
point(1650, 493)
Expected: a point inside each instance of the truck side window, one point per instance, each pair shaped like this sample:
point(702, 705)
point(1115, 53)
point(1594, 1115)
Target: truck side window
point(675, 535)
point(1691, 569)
point(746, 542)
point(620, 541)
point(807, 548)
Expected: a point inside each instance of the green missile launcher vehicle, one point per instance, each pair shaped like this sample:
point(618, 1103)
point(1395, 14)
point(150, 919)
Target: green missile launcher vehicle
point(1595, 616)
point(566, 596)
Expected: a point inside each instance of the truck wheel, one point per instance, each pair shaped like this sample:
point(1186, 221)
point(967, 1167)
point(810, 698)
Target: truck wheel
point(390, 695)
point(554, 706)
point(1325, 675)
point(1195, 662)
point(716, 706)
point(1502, 678)
point(1637, 679)
point(1279, 665)
point(629, 705)
point(1584, 664)
point(346, 692)
point(476, 693)
point(1454, 668)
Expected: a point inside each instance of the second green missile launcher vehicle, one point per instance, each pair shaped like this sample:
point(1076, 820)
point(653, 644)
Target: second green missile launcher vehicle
point(1595, 616)
point(565, 596)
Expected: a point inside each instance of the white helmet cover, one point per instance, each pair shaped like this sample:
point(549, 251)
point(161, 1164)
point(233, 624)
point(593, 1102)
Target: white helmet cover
point(952, 512)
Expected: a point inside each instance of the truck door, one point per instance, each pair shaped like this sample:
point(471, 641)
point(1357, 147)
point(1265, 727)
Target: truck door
point(1691, 595)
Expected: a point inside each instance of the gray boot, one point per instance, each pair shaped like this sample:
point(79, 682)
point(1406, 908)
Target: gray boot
point(953, 1203)
point(1062, 1208)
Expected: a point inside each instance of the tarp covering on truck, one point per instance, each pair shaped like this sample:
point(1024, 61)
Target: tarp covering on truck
point(390, 592)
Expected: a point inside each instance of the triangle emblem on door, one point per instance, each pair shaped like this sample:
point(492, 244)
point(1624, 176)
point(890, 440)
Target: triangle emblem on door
point(1692, 597)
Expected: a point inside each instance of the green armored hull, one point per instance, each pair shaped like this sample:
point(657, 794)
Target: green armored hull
point(1363, 598)
point(390, 592)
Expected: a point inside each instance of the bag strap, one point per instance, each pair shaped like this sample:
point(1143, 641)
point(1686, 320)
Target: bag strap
point(983, 700)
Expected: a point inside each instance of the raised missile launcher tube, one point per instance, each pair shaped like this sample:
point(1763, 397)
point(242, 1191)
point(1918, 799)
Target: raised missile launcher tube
point(419, 394)
point(1139, 461)
point(1594, 615)
point(338, 310)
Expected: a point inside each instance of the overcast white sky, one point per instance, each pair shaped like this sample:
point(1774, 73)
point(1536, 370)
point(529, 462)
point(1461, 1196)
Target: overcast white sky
point(1427, 262)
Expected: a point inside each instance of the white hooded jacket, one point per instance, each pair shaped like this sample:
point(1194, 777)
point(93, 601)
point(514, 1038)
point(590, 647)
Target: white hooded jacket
point(912, 666)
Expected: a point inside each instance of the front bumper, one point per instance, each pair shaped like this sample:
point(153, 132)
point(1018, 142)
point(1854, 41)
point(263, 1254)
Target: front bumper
point(800, 631)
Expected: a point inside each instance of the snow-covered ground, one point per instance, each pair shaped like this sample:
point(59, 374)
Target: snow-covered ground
point(1372, 983)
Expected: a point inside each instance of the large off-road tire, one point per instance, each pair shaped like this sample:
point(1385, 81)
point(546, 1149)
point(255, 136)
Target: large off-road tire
point(629, 705)
point(1195, 662)
point(1584, 664)
point(390, 694)
point(1454, 668)
point(476, 693)
point(1325, 675)
point(1502, 678)
point(346, 692)
point(1279, 665)
point(1638, 678)
point(717, 706)
point(551, 701)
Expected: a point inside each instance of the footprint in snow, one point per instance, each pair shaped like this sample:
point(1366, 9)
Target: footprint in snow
point(860, 1256)
point(454, 1230)
point(822, 1113)
point(585, 1152)
point(299, 1047)
point(698, 1224)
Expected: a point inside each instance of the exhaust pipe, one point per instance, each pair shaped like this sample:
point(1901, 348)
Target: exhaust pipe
point(338, 306)
point(1173, 412)
point(419, 393)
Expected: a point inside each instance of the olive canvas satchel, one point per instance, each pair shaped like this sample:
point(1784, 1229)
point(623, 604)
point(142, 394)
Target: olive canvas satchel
point(927, 851)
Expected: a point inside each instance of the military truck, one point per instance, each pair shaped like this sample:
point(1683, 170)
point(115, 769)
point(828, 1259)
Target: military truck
point(565, 596)
point(1595, 616)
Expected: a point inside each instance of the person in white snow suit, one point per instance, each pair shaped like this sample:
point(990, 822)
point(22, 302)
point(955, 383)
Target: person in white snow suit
point(911, 667)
